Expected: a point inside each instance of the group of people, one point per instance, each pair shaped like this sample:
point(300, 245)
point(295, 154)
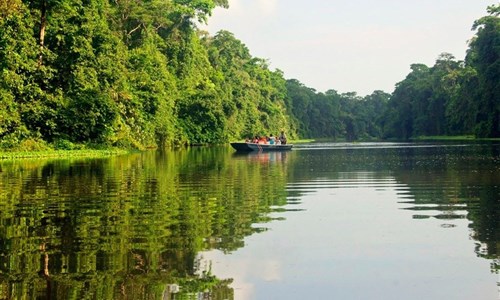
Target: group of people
point(271, 140)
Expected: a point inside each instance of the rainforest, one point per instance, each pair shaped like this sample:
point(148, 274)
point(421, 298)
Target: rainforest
point(141, 74)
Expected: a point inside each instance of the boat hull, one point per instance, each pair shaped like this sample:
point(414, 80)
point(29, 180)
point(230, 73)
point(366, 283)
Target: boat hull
point(248, 147)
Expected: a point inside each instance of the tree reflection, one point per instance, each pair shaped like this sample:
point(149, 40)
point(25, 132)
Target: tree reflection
point(132, 227)
point(459, 183)
point(127, 227)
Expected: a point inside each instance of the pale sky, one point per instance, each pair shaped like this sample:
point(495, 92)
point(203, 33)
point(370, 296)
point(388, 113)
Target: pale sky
point(350, 45)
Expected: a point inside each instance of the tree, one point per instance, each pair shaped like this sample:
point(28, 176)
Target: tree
point(484, 56)
point(407, 105)
point(461, 108)
point(9, 7)
point(375, 108)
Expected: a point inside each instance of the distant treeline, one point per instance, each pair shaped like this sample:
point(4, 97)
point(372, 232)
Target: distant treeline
point(450, 98)
point(141, 74)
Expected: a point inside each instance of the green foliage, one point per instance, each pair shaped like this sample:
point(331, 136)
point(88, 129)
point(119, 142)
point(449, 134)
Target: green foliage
point(452, 97)
point(131, 74)
point(484, 57)
point(140, 74)
point(33, 144)
point(62, 144)
point(9, 114)
point(338, 116)
point(145, 235)
point(9, 7)
point(19, 77)
point(252, 97)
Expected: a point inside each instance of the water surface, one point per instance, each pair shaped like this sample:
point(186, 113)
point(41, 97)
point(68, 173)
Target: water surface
point(324, 221)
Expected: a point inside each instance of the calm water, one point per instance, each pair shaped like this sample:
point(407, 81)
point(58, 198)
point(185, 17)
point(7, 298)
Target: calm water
point(324, 221)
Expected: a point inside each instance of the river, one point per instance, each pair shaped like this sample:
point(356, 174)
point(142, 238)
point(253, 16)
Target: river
point(323, 221)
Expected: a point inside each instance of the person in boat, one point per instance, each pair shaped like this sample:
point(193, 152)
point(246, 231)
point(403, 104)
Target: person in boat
point(256, 140)
point(272, 140)
point(263, 140)
point(282, 138)
point(277, 140)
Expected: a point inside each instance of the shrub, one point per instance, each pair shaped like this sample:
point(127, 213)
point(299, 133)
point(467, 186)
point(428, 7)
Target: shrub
point(33, 144)
point(63, 144)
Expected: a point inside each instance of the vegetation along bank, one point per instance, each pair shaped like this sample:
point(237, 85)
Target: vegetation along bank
point(140, 74)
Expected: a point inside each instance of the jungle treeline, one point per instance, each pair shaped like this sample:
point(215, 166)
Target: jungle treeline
point(452, 97)
point(141, 74)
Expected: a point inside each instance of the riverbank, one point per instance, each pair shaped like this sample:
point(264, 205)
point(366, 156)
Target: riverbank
point(92, 153)
point(453, 138)
point(6, 155)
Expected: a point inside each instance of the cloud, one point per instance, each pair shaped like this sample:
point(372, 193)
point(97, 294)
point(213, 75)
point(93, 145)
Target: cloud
point(267, 7)
point(349, 45)
point(244, 269)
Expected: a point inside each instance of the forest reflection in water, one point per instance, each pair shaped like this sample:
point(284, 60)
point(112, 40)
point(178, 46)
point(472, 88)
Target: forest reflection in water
point(164, 224)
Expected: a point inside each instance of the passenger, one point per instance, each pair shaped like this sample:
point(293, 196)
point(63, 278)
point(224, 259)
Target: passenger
point(271, 140)
point(256, 140)
point(278, 141)
point(283, 138)
point(263, 140)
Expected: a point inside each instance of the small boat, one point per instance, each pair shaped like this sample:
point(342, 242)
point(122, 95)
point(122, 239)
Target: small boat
point(247, 147)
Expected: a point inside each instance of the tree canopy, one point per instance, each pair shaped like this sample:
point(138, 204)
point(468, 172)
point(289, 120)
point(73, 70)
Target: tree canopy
point(141, 74)
point(130, 74)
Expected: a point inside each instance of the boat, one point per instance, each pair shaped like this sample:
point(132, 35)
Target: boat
point(247, 147)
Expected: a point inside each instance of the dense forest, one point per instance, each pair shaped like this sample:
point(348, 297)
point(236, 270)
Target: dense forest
point(141, 74)
point(452, 97)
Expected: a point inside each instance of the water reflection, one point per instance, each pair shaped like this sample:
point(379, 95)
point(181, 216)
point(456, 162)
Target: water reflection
point(145, 226)
point(127, 227)
point(350, 233)
point(263, 157)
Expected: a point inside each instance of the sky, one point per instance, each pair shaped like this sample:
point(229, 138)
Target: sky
point(350, 45)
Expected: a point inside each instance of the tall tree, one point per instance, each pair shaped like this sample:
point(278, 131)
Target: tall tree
point(484, 56)
point(408, 103)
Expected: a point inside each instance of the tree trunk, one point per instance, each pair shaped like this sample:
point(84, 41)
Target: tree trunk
point(43, 25)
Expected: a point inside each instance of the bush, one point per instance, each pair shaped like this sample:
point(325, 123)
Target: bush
point(33, 144)
point(63, 144)
point(9, 142)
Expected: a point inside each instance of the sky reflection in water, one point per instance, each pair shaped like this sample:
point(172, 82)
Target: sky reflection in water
point(324, 221)
point(360, 232)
